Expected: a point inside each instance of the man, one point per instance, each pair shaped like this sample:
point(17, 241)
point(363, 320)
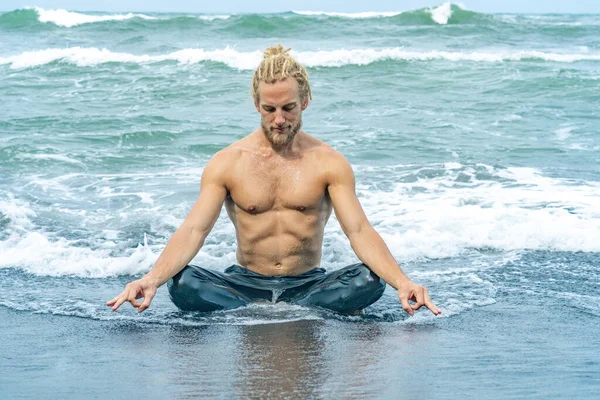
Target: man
point(279, 185)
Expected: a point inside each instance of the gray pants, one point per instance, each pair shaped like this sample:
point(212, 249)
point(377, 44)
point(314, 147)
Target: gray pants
point(345, 291)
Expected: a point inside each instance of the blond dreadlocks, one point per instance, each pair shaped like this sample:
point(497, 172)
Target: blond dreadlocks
point(277, 64)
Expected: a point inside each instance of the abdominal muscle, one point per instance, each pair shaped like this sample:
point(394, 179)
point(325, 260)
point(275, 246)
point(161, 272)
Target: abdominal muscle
point(279, 241)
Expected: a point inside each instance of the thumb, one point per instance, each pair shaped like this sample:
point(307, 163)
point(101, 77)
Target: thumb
point(148, 296)
point(405, 305)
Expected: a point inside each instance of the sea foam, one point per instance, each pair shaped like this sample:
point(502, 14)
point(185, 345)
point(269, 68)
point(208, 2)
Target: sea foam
point(91, 56)
point(69, 19)
point(441, 14)
point(36, 254)
point(357, 15)
point(509, 210)
point(521, 209)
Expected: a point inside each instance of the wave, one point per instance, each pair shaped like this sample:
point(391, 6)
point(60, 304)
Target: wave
point(441, 15)
point(251, 24)
point(447, 13)
point(520, 209)
point(69, 19)
point(91, 56)
point(358, 15)
point(507, 209)
point(163, 313)
point(63, 18)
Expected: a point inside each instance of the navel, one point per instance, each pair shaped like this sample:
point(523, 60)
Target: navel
point(301, 208)
point(251, 208)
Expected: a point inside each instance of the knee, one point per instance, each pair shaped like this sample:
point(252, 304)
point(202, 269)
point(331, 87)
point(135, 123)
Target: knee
point(198, 289)
point(182, 281)
point(187, 288)
point(369, 280)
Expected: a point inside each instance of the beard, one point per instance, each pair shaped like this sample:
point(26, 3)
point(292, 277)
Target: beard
point(279, 139)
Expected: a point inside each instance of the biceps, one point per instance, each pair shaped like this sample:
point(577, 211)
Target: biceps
point(348, 210)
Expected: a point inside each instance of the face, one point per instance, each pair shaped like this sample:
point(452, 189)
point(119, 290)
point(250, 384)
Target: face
point(280, 109)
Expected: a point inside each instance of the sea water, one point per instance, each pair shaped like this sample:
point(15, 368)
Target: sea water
point(474, 139)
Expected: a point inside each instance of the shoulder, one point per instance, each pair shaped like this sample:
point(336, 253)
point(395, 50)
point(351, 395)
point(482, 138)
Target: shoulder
point(229, 156)
point(224, 157)
point(334, 166)
point(219, 165)
point(320, 150)
point(224, 163)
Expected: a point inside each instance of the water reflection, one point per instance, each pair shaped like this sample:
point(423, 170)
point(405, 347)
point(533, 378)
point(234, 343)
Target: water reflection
point(300, 359)
point(281, 361)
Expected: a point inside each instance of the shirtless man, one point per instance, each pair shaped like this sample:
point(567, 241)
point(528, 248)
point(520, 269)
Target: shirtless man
point(279, 186)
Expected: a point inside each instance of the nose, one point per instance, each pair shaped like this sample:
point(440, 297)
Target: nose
point(279, 118)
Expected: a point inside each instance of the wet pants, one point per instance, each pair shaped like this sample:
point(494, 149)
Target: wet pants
point(346, 290)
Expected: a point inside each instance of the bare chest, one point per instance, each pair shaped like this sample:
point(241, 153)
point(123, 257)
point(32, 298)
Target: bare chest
point(258, 187)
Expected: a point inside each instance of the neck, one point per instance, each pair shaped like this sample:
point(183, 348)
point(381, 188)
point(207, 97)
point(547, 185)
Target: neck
point(287, 149)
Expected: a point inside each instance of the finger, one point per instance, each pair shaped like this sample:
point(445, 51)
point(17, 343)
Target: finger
point(405, 306)
point(431, 306)
point(134, 302)
point(116, 298)
point(113, 301)
point(420, 299)
point(120, 301)
point(147, 300)
point(133, 293)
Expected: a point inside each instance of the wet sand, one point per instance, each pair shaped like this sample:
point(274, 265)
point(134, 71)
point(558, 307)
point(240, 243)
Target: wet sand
point(498, 351)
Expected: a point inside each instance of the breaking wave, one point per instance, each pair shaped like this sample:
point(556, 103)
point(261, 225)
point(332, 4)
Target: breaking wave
point(91, 56)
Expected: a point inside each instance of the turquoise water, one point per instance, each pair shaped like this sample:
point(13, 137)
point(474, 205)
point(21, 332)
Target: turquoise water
point(474, 139)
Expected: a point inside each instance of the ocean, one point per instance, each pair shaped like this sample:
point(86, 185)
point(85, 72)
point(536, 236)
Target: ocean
point(475, 142)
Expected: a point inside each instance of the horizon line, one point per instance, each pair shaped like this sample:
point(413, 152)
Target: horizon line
point(297, 11)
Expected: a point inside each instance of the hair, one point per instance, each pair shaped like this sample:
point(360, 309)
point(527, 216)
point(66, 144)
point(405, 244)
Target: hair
point(277, 64)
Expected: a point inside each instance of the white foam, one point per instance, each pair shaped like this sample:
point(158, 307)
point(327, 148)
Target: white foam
point(441, 14)
point(452, 165)
point(82, 57)
point(338, 58)
point(213, 17)
point(510, 209)
point(69, 19)
point(357, 15)
point(35, 253)
point(53, 157)
point(520, 210)
point(19, 212)
point(559, 20)
point(29, 247)
point(90, 56)
point(536, 212)
point(254, 314)
point(563, 133)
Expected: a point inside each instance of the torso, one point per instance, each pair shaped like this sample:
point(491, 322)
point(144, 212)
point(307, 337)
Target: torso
point(279, 207)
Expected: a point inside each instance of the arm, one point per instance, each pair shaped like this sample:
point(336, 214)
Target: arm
point(366, 242)
point(185, 242)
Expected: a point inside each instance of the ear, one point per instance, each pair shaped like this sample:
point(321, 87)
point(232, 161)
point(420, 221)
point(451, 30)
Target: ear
point(256, 105)
point(305, 103)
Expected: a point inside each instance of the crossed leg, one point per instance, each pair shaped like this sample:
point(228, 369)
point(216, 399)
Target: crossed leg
point(346, 290)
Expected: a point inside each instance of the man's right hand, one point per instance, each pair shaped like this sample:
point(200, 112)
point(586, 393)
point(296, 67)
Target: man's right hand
point(142, 288)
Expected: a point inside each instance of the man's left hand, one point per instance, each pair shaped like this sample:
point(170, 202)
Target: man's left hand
point(410, 291)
